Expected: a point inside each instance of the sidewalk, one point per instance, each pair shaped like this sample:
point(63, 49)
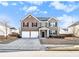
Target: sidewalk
point(41, 54)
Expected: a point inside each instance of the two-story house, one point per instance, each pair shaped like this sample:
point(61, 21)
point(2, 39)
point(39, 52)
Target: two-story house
point(38, 27)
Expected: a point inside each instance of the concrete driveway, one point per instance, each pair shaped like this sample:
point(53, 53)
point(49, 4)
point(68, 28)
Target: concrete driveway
point(22, 44)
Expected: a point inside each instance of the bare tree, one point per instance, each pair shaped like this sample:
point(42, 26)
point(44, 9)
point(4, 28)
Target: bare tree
point(73, 27)
point(5, 24)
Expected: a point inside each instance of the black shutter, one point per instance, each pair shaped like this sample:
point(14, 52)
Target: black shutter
point(55, 23)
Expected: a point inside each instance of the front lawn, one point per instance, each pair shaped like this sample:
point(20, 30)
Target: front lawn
point(60, 41)
point(63, 49)
point(4, 39)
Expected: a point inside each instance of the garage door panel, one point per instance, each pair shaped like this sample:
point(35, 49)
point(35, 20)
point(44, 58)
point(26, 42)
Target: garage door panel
point(34, 34)
point(25, 34)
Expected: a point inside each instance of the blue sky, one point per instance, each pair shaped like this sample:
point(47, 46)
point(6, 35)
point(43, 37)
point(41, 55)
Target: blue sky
point(65, 11)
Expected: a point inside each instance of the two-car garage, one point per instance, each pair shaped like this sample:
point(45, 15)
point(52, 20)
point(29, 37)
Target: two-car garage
point(29, 34)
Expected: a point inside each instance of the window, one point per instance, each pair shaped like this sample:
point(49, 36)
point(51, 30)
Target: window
point(34, 24)
point(51, 24)
point(52, 32)
point(25, 24)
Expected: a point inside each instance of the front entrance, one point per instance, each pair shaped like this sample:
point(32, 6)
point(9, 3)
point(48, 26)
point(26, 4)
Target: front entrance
point(43, 34)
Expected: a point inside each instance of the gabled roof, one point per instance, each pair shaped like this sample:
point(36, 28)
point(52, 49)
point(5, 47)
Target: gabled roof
point(40, 18)
point(74, 24)
point(52, 18)
point(28, 16)
point(43, 18)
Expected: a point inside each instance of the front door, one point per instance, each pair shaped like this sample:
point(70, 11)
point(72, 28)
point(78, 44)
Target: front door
point(43, 34)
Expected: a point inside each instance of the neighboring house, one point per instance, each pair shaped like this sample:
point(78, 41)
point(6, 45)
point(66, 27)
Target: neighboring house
point(63, 31)
point(74, 29)
point(38, 27)
point(14, 30)
point(6, 29)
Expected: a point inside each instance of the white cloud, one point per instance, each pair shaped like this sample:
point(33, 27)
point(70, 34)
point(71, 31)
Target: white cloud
point(66, 20)
point(42, 12)
point(14, 4)
point(45, 12)
point(21, 2)
point(64, 7)
point(36, 2)
point(30, 9)
point(25, 8)
point(34, 10)
point(4, 3)
point(71, 1)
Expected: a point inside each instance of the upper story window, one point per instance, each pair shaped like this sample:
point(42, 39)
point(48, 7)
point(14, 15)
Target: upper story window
point(34, 24)
point(52, 24)
point(25, 24)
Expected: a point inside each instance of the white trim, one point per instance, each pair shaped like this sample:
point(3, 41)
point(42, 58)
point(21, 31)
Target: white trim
point(31, 15)
point(30, 34)
point(52, 18)
point(36, 18)
point(44, 28)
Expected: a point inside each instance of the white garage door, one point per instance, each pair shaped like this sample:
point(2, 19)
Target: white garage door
point(25, 34)
point(34, 34)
